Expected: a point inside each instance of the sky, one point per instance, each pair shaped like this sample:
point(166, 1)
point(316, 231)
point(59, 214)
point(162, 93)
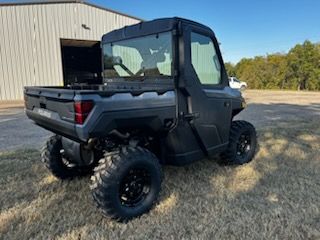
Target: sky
point(245, 28)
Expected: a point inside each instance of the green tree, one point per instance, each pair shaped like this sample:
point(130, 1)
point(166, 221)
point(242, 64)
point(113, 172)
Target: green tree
point(298, 70)
point(276, 71)
point(303, 71)
point(230, 68)
point(252, 71)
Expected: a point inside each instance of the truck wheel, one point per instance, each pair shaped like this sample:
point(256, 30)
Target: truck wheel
point(242, 143)
point(59, 166)
point(126, 183)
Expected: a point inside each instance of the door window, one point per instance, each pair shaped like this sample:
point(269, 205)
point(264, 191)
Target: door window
point(205, 60)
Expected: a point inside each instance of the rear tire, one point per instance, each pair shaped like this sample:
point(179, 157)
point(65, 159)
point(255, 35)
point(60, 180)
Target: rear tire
point(242, 144)
point(57, 164)
point(126, 184)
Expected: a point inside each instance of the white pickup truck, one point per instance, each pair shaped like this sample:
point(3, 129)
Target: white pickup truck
point(237, 84)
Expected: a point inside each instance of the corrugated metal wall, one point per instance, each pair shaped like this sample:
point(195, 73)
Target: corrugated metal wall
point(30, 51)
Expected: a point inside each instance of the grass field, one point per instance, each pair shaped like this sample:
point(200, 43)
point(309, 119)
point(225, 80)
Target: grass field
point(276, 196)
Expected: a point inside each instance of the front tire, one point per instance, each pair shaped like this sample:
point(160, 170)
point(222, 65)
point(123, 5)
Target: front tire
point(242, 143)
point(126, 183)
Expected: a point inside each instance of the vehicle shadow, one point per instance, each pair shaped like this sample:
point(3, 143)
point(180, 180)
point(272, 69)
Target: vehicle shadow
point(262, 115)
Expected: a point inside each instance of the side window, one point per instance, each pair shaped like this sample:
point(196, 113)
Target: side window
point(205, 60)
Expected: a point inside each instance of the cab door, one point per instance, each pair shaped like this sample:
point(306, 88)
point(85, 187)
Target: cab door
point(204, 80)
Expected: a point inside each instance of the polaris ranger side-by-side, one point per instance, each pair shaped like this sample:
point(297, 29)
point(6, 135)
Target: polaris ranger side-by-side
point(164, 99)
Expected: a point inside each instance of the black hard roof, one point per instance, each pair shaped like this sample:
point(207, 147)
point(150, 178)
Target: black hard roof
point(38, 2)
point(147, 28)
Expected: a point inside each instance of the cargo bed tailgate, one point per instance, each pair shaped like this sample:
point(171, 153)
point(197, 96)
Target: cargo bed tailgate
point(51, 108)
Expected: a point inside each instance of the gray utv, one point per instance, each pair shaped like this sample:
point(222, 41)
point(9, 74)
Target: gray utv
point(164, 99)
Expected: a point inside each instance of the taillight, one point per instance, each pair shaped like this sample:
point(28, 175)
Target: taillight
point(82, 110)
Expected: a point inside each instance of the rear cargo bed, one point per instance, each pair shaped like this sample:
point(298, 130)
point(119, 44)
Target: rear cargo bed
point(57, 108)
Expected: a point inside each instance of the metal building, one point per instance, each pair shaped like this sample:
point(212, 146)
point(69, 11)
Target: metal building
point(52, 43)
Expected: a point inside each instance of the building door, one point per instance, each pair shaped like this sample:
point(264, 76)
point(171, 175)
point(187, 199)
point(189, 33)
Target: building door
point(81, 61)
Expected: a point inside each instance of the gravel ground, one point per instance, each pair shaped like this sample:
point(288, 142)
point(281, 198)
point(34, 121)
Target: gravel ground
point(268, 108)
point(264, 107)
point(17, 131)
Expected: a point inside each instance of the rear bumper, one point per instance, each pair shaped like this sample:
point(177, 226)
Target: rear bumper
point(54, 124)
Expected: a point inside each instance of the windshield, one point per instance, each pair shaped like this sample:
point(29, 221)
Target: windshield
point(149, 56)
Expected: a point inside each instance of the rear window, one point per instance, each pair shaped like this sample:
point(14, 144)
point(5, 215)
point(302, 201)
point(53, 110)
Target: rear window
point(149, 56)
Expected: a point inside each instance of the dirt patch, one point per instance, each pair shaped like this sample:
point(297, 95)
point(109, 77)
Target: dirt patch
point(264, 109)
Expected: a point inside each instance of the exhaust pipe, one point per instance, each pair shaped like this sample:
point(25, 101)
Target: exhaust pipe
point(78, 153)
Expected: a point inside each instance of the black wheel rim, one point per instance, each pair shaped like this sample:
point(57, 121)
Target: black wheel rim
point(244, 145)
point(65, 161)
point(135, 187)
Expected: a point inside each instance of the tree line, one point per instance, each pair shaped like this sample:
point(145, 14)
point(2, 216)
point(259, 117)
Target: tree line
point(299, 69)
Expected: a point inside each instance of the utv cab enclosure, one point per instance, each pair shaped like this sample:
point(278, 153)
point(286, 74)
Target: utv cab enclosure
point(165, 99)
